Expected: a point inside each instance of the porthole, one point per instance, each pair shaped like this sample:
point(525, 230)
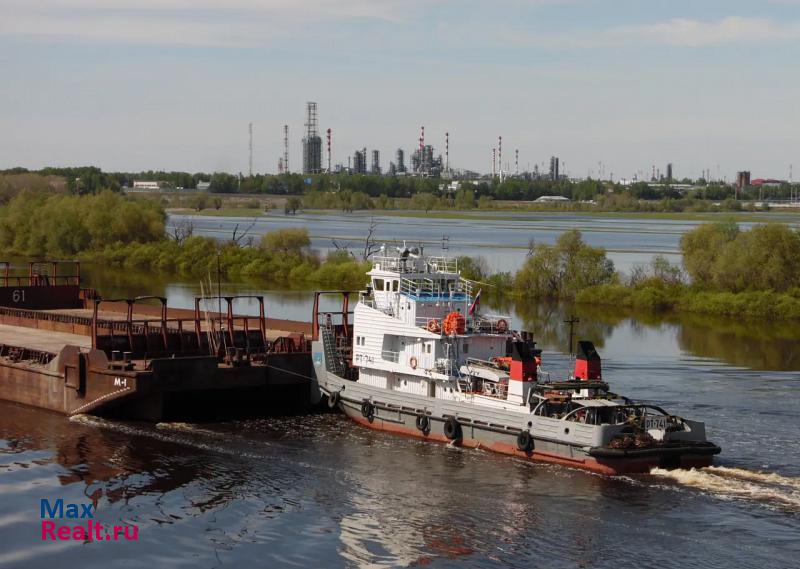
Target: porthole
point(530, 424)
point(566, 431)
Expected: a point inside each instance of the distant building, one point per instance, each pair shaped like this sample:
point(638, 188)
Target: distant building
point(767, 183)
point(554, 168)
point(401, 160)
point(312, 143)
point(742, 179)
point(203, 186)
point(360, 161)
point(551, 199)
point(376, 162)
point(149, 186)
point(424, 163)
point(669, 172)
point(312, 155)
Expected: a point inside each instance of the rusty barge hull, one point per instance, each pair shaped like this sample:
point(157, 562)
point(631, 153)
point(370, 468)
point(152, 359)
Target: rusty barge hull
point(66, 350)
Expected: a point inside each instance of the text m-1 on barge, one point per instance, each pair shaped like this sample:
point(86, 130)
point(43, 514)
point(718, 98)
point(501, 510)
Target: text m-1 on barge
point(65, 349)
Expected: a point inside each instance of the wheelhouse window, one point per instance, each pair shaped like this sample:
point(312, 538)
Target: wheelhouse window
point(378, 284)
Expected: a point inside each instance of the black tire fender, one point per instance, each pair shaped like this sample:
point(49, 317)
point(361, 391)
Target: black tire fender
point(423, 423)
point(525, 441)
point(333, 399)
point(452, 429)
point(367, 410)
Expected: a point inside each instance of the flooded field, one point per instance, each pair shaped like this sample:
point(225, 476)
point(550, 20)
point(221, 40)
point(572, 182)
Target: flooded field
point(503, 243)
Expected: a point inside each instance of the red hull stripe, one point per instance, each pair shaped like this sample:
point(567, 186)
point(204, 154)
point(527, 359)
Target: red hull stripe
point(608, 467)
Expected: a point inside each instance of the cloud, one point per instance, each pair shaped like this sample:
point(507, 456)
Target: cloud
point(693, 33)
point(229, 23)
point(677, 32)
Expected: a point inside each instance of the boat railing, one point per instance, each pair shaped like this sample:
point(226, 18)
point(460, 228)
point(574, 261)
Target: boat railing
point(441, 264)
point(390, 356)
point(395, 264)
point(491, 324)
point(480, 325)
point(387, 308)
point(432, 289)
point(498, 390)
point(444, 366)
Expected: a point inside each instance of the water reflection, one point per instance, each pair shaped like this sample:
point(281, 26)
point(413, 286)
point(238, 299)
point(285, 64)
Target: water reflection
point(751, 344)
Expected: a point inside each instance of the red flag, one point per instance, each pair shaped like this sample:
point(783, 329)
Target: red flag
point(475, 303)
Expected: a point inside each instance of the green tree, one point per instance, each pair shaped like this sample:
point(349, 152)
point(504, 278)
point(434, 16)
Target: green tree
point(702, 246)
point(424, 201)
point(564, 269)
point(287, 241)
point(292, 205)
point(200, 201)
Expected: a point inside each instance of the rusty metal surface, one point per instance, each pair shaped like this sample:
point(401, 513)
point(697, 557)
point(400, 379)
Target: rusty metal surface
point(45, 340)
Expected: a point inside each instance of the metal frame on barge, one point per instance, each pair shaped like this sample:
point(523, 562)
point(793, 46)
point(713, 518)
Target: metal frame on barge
point(66, 349)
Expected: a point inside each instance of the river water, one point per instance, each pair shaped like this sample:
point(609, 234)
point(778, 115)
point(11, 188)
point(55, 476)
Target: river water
point(318, 490)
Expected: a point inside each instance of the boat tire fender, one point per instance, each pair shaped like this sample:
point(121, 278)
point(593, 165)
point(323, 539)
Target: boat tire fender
point(452, 429)
point(525, 441)
point(423, 423)
point(367, 410)
point(333, 399)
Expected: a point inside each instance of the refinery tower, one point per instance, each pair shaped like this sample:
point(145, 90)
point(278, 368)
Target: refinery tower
point(312, 142)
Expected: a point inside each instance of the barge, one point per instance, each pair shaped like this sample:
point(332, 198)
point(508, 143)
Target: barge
point(66, 349)
point(417, 357)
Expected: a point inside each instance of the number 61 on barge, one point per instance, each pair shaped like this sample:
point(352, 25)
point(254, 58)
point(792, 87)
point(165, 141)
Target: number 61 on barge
point(420, 359)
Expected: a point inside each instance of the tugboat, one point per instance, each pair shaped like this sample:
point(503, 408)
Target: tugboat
point(420, 359)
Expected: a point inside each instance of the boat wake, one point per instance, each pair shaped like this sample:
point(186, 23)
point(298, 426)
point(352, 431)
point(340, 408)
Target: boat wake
point(175, 433)
point(768, 488)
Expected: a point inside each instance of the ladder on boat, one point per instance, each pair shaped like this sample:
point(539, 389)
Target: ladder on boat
point(333, 359)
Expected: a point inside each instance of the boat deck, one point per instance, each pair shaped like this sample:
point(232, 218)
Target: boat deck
point(42, 340)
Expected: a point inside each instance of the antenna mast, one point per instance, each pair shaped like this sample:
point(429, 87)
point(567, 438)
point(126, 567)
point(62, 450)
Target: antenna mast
point(250, 128)
point(286, 148)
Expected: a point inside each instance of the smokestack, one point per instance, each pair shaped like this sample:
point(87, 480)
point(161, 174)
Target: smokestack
point(422, 148)
point(447, 153)
point(494, 163)
point(329, 151)
point(500, 155)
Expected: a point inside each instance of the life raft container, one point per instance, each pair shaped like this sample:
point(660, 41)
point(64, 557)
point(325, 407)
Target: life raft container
point(454, 323)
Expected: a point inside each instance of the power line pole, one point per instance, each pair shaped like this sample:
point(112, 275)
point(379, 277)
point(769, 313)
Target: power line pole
point(572, 321)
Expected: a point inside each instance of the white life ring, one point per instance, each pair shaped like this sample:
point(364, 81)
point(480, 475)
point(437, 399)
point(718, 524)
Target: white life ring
point(412, 362)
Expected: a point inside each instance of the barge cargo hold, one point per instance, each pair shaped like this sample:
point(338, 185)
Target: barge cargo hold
point(65, 349)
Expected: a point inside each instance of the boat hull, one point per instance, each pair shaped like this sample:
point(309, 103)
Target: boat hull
point(497, 429)
point(476, 438)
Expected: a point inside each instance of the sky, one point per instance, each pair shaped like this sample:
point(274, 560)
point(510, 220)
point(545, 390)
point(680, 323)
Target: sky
point(617, 86)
